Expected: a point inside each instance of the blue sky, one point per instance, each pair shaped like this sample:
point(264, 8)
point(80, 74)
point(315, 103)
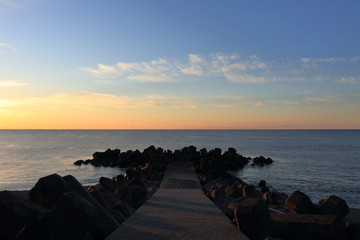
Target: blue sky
point(282, 64)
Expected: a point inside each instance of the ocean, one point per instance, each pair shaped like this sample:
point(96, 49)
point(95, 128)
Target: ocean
point(316, 162)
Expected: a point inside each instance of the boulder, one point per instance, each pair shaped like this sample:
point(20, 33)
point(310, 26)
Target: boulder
point(79, 162)
point(124, 208)
point(48, 190)
point(249, 190)
point(299, 203)
point(135, 195)
point(108, 184)
point(73, 217)
point(262, 160)
point(334, 205)
point(104, 222)
point(262, 183)
point(252, 217)
point(104, 197)
point(17, 215)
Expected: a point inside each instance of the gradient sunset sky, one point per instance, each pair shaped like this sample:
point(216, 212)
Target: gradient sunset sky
point(179, 64)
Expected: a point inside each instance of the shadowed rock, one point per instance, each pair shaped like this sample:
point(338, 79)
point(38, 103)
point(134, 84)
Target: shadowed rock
point(334, 205)
point(17, 215)
point(300, 203)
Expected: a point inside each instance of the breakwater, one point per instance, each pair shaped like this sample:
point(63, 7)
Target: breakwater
point(56, 199)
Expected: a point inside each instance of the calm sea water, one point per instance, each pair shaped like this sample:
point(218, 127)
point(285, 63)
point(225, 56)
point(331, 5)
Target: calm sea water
point(317, 162)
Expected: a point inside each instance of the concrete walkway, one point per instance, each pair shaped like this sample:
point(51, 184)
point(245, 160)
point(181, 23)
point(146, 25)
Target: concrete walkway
point(178, 210)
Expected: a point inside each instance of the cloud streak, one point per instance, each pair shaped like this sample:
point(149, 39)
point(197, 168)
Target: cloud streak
point(232, 68)
point(6, 46)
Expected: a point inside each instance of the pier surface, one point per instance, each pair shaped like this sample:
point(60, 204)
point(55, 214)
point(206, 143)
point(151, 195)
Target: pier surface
point(178, 210)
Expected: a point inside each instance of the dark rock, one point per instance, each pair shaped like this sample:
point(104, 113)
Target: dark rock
point(268, 161)
point(262, 183)
point(104, 223)
point(17, 216)
point(353, 230)
point(252, 217)
point(334, 205)
point(136, 195)
point(48, 190)
point(87, 161)
point(300, 203)
point(231, 150)
point(79, 162)
point(217, 195)
point(230, 191)
point(124, 208)
point(219, 182)
point(265, 189)
point(117, 215)
point(203, 152)
point(108, 184)
point(260, 161)
point(309, 227)
point(248, 190)
point(106, 158)
point(73, 217)
point(104, 197)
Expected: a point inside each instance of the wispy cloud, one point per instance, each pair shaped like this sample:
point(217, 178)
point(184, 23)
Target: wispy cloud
point(349, 80)
point(314, 62)
point(321, 99)
point(325, 60)
point(6, 46)
point(12, 83)
point(232, 68)
point(94, 101)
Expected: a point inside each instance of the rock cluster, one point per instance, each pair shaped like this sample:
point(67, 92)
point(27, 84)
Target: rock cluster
point(263, 213)
point(61, 208)
point(130, 158)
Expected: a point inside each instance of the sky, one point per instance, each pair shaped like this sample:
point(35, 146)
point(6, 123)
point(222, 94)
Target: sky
point(180, 64)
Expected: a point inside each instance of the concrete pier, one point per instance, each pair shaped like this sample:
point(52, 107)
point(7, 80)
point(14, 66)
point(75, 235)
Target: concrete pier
point(178, 210)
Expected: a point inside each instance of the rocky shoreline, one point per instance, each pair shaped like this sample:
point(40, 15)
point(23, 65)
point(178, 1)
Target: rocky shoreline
point(61, 208)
